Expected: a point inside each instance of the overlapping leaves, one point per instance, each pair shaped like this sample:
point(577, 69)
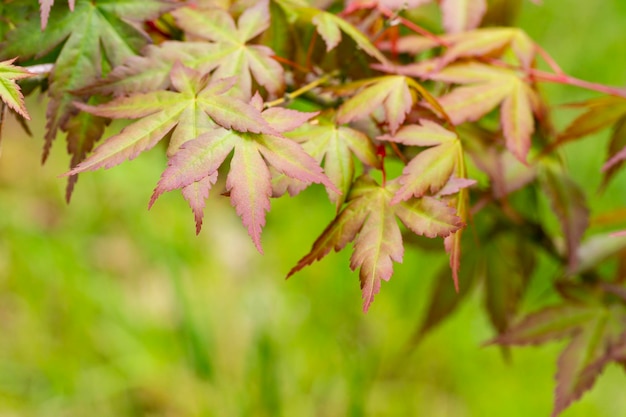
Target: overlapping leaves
point(369, 219)
point(596, 334)
point(10, 92)
point(205, 126)
point(96, 35)
point(215, 42)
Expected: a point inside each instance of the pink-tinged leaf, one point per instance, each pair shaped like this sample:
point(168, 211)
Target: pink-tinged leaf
point(196, 194)
point(45, 6)
point(265, 69)
point(588, 346)
point(392, 92)
point(289, 158)
point(569, 204)
point(517, 121)
point(238, 58)
point(285, 120)
point(462, 15)
point(471, 103)
point(253, 21)
point(617, 145)
point(621, 233)
point(378, 244)
point(390, 4)
point(9, 90)
point(195, 160)
point(454, 185)
point(369, 220)
point(130, 142)
point(428, 217)
point(452, 245)
point(249, 183)
point(133, 107)
point(551, 323)
point(335, 146)
point(427, 133)
point(600, 113)
point(233, 114)
point(328, 30)
point(429, 170)
point(213, 24)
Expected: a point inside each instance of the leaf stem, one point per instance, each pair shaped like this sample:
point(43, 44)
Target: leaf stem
point(414, 27)
point(304, 89)
point(540, 75)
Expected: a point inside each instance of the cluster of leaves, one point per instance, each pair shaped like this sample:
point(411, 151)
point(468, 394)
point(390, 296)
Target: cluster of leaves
point(223, 84)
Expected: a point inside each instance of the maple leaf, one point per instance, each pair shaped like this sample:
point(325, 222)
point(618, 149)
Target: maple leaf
point(484, 88)
point(215, 44)
point(45, 6)
point(330, 26)
point(9, 90)
point(616, 151)
point(249, 179)
point(569, 203)
point(595, 332)
point(230, 40)
point(484, 42)
point(335, 146)
point(369, 220)
point(599, 114)
point(392, 92)
point(462, 15)
point(195, 103)
point(96, 35)
point(431, 169)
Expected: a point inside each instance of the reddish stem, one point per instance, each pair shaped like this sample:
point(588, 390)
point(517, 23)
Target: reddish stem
point(410, 25)
point(540, 75)
point(549, 60)
point(290, 63)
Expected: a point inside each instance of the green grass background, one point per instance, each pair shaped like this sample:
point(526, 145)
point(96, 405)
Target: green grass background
point(107, 309)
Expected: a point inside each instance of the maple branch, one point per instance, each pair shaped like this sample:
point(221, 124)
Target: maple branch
point(549, 60)
point(286, 61)
point(540, 75)
point(304, 89)
point(413, 26)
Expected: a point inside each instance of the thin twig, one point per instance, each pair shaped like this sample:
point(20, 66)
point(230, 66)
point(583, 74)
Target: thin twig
point(310, 86)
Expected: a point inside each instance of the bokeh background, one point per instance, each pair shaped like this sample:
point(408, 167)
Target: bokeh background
point(107, 309)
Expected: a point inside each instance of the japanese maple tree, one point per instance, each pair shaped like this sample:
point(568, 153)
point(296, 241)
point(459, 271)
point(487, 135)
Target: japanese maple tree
point(277, 95)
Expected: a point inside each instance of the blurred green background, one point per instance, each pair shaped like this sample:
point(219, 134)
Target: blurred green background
point(107, 309)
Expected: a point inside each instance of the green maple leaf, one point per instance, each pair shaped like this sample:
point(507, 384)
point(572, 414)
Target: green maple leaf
point(485, 87)
point(96, 35)
point(214, 43)
point(335, 146)
point(369, 219)
point(9, 90)
point(596, 332)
